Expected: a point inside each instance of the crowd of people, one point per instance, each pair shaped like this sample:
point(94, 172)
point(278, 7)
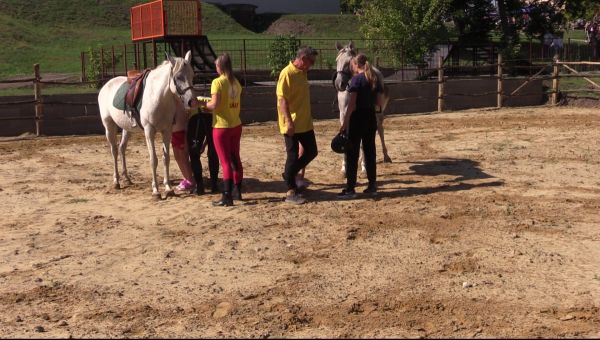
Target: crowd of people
point(216, 126)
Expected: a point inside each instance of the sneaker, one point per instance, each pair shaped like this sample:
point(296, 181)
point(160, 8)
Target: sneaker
point(347, 194)
point(295, 198)
point(372, 190)
point(185, 185)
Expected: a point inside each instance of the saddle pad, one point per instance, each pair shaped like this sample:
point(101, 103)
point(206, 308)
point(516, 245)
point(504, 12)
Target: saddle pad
point(119, 99)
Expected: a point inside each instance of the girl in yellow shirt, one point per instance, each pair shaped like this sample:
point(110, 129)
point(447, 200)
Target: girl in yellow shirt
point(227, 128)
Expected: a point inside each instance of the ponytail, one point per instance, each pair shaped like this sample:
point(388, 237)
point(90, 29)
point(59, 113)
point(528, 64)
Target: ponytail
point(370, 75)
point(224, 62)
point(363, 63)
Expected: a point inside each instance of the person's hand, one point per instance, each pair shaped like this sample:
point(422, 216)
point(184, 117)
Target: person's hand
point(289, 128)
point(343, 128)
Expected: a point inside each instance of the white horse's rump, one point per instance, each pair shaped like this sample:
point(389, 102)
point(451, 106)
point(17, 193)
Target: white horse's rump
point(341, 81)
point(168, 82)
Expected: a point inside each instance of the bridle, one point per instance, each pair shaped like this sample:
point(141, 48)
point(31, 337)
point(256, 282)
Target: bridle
point(179, 90)
point(345, 74)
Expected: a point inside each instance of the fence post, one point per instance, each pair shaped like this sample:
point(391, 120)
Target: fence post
point(154, 56)
point(102, 64)
point(555, 74)
point(125, 58)
point(440, 84)
point(113, 60)
point(83, 76)
point(37, 94)
point(245, 56)
point(500, 80)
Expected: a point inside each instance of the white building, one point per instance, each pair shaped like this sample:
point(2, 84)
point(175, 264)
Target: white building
point(288, 6)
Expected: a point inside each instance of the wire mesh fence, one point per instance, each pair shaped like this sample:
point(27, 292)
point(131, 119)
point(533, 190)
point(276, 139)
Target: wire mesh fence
point(253, 55)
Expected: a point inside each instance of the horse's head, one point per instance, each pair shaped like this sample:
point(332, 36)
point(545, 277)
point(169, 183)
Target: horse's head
point(343, 70)
point(181, 79)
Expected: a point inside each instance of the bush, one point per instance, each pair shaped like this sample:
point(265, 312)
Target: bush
point(281, 52)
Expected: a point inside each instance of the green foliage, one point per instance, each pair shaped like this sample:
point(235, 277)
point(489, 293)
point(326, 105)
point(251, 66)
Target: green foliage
point(543, 18)
point(411, 27)
point(581, 9)
point(94, 68)
point(473, 20)
point(281, 52)
point(99, 60)
point(352, 6)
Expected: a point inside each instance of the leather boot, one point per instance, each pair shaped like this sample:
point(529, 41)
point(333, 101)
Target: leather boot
point(214, 186)
point(237, 193)
point(226, 198)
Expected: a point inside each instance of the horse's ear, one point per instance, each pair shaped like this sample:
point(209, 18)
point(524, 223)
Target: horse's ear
point(188, 57)
point(338, 45)
point(169, 58)
point(351, 45)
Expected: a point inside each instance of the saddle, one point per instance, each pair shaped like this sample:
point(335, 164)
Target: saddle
point(135, 79)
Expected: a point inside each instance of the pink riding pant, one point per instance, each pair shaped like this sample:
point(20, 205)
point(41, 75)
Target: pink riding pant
point(227, 145)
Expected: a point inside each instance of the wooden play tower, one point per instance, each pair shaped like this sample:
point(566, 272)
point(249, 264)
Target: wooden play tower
point(175, 23)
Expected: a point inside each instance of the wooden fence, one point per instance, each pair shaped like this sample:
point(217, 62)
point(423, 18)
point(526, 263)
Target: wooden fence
point(550, 71)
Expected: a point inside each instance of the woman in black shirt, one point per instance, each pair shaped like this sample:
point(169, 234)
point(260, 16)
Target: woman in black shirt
point(360, 124)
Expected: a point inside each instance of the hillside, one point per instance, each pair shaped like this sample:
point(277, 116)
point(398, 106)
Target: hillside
point(55, 32)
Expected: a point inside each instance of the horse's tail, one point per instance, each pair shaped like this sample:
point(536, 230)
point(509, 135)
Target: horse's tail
point(383, 94)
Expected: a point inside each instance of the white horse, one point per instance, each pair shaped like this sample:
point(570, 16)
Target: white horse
point(341, 82)
point(168, 82)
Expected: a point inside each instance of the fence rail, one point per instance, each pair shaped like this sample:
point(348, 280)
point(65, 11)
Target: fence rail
point(568, 68)
point(250, 55)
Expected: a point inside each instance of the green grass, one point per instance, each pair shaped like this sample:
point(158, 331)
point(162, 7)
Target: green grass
point(55, 38)
point(48, 90)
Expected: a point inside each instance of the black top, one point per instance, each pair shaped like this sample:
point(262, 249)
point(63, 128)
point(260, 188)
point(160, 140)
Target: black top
point(366, 96)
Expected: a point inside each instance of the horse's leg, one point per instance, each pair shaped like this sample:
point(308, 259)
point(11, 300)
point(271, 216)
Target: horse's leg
point(343, 102)
point(166, 137)
point(111, 137)
point(122, 148)
point(386, 156)
point(149, 132)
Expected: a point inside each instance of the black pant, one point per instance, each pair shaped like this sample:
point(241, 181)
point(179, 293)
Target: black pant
point(361, 131)
point(293, 164)
point(200, 129)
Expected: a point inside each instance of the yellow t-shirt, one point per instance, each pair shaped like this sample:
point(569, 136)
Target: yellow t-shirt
point(293, 86)
point(227, 113)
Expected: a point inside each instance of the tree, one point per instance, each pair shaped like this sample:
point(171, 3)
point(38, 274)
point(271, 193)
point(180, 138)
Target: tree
point(473, 19)
point(543, 17)
point(509, 32)
point(575, 9)
point(351, 6)
point(408, 28)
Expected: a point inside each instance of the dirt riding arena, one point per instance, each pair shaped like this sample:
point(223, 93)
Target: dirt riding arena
point(487, 225)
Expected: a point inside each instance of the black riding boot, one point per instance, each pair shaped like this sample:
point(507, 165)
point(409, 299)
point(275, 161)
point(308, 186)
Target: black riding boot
point(237, 193)
point(226, 198)
point(214, 186)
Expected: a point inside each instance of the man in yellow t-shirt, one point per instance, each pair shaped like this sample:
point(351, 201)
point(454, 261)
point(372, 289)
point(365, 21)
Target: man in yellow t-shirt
point(295, 118)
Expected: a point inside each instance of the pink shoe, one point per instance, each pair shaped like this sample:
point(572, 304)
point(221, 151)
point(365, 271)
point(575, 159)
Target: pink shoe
point(185, 185)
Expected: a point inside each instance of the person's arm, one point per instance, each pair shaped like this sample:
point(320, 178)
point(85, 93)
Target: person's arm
point(287, 116)
point(214, 102)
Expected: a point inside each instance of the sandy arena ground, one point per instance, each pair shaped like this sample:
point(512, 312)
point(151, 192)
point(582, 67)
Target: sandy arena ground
point(487, 225)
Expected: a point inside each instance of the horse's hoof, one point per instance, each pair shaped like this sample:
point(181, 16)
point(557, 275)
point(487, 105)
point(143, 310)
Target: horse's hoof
point(156, 196)
point(127, 182)
point(387, 159)
point(116, 186)
point(170, 193)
